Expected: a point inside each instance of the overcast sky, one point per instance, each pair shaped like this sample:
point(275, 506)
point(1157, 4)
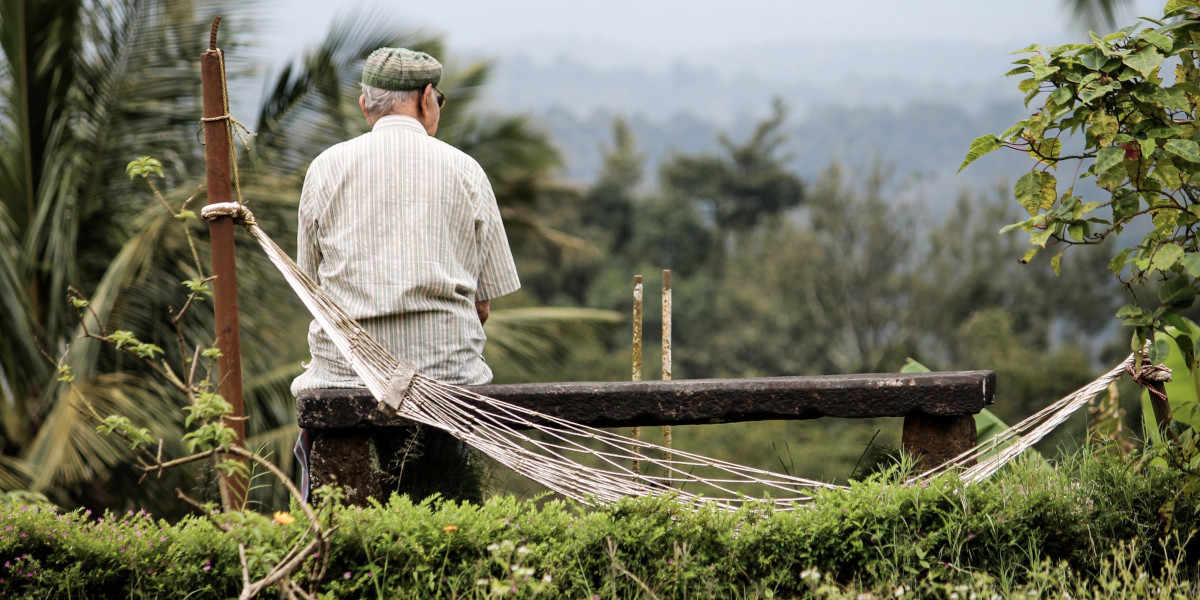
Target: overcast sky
point(658, 31)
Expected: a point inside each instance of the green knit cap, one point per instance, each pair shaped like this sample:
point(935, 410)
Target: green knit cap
point(400, 69)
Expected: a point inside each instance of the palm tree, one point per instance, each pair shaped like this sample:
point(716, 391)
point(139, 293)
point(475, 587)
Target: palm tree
point(1101, 14)
point(87, 86)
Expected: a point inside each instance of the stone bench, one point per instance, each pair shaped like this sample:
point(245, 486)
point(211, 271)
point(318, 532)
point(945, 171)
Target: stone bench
point(370, 452)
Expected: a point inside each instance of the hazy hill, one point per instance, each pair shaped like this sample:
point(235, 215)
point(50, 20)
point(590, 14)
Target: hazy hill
point(853, 104)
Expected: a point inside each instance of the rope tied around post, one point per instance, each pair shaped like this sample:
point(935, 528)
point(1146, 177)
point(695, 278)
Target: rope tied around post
point(235, 210)
point(232, 125)
point(1151, 377)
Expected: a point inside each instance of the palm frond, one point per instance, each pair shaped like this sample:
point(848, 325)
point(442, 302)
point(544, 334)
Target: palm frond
point(14, 473)
point(68, 449)
point(309, 105)
point(532, 338)
point(1097, 14)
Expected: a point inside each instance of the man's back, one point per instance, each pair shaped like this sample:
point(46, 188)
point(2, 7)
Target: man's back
point(404, 232)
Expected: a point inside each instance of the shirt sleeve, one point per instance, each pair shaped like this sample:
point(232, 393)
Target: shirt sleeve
point(497, 272)
point(308, 249)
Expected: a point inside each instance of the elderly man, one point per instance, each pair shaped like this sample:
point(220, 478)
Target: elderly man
point(403, 231)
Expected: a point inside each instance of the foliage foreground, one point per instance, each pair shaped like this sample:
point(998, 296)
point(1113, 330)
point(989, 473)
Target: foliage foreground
point(1099, 527)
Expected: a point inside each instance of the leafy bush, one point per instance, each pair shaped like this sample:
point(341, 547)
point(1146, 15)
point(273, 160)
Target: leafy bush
point(1094, 526)
point(1121, 110)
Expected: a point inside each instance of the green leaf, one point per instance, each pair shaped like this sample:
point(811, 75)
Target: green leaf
point(1167, 256)
point(1159, 40)
point(1041, 72)
point(1129, 311)
point(146, 350)
point(1185, 149)
point(1040, 237)
point(1061, 96)
point(199, 286)
point(1103, 127)
point(1191, 263)
point(912, 366)
point(1056, 264)
point(1144, 61)
point(1017, 71)
point(1177, 292)
point(1108, 158)
point(980, 146)
point(121, 338)
point(144, 167)
point(1093, 59)
point(1159, 351)
point(1049, 149)
point(1036, 191)
point(1029, 254)
point(1118, 262)
point(66, 374)
point(1178, 5)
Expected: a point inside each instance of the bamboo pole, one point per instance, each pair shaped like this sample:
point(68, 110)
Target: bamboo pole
point(217, 134)
point(637, 348)
point(666, 343)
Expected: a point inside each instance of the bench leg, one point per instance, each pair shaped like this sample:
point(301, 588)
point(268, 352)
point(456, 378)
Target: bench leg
point(936, 439)
point(348, 458)
point(415, 460)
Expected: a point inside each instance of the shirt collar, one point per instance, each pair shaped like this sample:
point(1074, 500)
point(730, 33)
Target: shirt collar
point(404, 121)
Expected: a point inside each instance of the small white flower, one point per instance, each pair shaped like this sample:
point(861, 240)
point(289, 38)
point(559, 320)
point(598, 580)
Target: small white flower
point(546, 578)
point(899, 592)
point(482, 582)
point(523, 550)
point(493, 547)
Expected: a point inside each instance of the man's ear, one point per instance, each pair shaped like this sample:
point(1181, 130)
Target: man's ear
point(422, 98)
point(362, 103)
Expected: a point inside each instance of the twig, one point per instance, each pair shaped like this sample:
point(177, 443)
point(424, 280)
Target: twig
point(245, 570)
point(612, 555)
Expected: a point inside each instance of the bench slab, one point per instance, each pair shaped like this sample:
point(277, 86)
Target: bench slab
point(696, 401)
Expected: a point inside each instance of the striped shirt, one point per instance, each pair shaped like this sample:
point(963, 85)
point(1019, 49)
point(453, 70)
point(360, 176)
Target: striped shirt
point(403, 231)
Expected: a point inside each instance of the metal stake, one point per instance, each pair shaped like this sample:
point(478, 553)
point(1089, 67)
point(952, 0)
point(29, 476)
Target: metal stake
point(637, 348)
point(666, 343)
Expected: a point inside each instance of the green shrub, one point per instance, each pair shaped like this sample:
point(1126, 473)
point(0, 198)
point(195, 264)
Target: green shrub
point(1092, 526)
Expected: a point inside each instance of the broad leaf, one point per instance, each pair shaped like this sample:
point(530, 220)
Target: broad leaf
point(1144, 61)
point(980, 146)
point(1108, 158)
point(1185, 149)
point(1191, 263)
point(1167, 256)
point(1035, 191)
point(1159, 40)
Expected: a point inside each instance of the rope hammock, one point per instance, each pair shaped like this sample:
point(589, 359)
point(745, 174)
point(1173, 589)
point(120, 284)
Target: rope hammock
point(591, 465)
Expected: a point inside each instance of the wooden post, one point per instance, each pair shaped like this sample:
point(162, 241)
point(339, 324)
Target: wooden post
point(217, 133)
point(666, 343)
point(636, 374)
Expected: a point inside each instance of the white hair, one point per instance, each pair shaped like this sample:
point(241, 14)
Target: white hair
point(380, 102)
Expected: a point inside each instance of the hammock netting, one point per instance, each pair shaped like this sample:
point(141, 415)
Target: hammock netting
point(592, 465)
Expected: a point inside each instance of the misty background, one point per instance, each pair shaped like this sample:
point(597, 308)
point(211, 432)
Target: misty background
point(905, 84)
